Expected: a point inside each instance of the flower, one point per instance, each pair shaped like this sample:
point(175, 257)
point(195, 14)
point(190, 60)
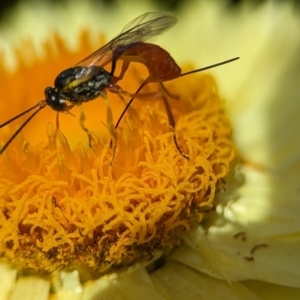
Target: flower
point(239, 241)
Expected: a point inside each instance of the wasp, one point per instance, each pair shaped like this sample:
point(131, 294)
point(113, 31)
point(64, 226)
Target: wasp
point(88, 79)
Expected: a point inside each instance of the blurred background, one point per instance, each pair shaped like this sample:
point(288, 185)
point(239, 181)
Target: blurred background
point(7, 6)
point(169, 5)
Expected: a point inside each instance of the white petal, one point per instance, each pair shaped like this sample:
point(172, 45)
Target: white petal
point(8, 278)
point(214, 266)
point(255, 234)
point(262, 98)
point(67, 286)
point(266, 209)
point(31, 288)
point(266, 291)
point(260, 89)
point(138, 285)
point(104, 288)
point(131, 283)
point(232, 258)
point(177, 282)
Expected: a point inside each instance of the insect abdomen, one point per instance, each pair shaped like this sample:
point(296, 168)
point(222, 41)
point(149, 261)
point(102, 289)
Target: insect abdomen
point(160, 64)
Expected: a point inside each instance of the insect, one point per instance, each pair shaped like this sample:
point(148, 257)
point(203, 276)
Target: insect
point(88, 79)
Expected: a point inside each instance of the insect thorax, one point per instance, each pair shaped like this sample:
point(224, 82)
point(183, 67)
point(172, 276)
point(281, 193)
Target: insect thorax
point(80, 84)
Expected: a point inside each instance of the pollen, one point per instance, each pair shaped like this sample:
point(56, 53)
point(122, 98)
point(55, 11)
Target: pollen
point(67, 200)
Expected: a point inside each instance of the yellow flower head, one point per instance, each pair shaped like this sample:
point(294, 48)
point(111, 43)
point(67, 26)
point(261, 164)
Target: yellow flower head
point(65, 203)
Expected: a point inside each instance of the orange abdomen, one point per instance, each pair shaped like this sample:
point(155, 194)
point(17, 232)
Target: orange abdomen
point(161, 66)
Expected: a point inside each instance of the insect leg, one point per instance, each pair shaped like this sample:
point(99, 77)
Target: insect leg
point(168, 93)
point(126, 108)
point(172, 123)
point(81, 121)
point(57, 121)
point(109, 116)
point(125, 66)
point(116, 89)
point(167, 108)
point(110, 124)
point(171, 119)
point(130, 102)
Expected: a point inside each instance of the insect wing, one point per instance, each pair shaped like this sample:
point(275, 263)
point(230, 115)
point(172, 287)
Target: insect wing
point(148, 25)
point(140, 29)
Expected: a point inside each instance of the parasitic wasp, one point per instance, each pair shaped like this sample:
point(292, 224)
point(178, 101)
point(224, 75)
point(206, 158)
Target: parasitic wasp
point(88, 79)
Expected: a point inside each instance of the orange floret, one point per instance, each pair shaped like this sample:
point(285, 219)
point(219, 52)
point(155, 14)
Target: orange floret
point(64, 203)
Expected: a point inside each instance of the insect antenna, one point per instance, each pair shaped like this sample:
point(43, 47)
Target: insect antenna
point(19, 115)
point(40, 105)
point(210, 67)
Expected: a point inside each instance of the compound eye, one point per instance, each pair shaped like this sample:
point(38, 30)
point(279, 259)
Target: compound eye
point(47, 91)
point(54, 100)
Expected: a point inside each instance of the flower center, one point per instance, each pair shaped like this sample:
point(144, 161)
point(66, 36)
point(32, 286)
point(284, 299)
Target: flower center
point(65, 205)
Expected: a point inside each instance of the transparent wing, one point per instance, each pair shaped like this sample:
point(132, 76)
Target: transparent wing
point(140, 29)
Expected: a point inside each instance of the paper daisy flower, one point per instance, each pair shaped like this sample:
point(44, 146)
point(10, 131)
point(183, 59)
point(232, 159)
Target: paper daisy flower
point(76, 224)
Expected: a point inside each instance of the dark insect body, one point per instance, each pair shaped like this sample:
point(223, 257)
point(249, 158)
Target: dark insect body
point(75, 89)
point(88, 79)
